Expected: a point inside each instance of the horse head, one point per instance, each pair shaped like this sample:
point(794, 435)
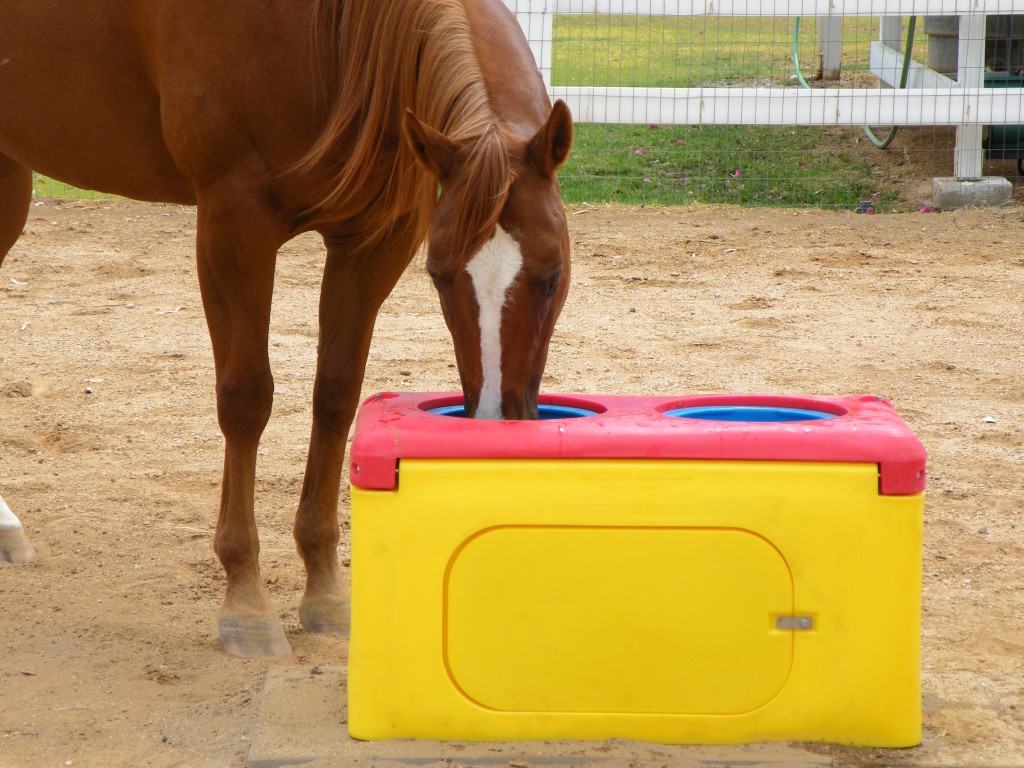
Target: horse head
point(502, 277)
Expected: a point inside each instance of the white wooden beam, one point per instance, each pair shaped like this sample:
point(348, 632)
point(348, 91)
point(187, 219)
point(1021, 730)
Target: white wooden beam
point(794, 106)
point(782, 7)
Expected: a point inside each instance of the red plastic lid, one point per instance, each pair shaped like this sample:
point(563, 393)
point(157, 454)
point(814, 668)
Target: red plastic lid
point(858, 429)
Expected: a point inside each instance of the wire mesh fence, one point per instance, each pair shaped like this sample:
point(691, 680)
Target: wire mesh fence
point(842, 166)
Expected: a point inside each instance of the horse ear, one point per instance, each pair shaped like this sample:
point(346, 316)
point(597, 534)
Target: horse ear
point(549, 148)
point(432, 148)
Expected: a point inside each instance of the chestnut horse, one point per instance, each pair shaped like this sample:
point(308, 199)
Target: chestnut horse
point(343, 117)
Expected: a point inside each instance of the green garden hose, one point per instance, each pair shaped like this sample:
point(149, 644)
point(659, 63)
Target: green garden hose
point(904, 73)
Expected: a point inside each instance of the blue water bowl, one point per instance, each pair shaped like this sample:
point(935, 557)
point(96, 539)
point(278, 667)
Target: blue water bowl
point(544, 411)
point(748, 413)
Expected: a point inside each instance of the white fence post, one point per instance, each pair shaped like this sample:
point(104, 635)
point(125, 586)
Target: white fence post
point(967, 156)
point(890, 31)
point(830, 46)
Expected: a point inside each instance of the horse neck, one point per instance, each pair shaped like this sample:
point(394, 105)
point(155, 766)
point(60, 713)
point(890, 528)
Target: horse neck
point(374, 60)
point(507, 65)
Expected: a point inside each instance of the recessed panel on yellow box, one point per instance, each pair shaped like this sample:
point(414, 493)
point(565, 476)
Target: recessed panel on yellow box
point(589, 625)
point(674, 599)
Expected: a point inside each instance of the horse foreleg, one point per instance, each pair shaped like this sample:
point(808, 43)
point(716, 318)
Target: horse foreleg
point(353, 289)
point(15, 198)
point(236, 250)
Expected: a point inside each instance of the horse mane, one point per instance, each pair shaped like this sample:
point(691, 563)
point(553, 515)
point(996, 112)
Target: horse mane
point(372, 60)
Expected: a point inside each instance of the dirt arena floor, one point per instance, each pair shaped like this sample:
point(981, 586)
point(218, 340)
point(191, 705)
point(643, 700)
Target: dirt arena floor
point(110, 451)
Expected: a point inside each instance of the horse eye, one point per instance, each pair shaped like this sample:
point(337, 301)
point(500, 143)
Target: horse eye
point(552, 286)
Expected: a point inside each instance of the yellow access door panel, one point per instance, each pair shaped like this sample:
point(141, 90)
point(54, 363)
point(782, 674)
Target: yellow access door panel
point(583, 619)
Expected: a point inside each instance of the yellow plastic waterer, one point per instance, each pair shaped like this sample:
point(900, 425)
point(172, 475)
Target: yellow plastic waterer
point(703, 570)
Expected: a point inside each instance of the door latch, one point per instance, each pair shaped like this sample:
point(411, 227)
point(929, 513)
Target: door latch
point(794, 622)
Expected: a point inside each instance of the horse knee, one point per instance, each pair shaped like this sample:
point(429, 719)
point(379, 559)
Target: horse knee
point(334, 406)
point(236, 547)
point(317, 532)
point(244, 403)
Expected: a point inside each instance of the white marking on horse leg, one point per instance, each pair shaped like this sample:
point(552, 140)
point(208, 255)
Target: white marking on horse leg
point(14, 545)
point(493, 270)
point(7, 518)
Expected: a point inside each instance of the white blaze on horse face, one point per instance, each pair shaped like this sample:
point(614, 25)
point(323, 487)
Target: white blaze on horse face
point(7, 518)
point(493, 270)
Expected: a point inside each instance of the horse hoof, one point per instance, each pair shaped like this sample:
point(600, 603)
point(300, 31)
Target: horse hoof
point(326, 618)
point(250, 638)
point(14, 546)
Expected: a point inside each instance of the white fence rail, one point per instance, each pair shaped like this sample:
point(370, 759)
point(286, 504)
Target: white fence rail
point(930, 98)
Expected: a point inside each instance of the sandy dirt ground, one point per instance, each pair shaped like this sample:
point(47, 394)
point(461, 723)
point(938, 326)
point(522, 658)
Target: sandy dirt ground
point(110, 451)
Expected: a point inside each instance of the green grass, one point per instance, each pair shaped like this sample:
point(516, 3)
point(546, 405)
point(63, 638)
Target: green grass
point(683, 52)
point(43, 186)
point(726, 164)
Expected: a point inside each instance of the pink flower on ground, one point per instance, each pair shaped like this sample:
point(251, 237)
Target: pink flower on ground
point(640, 151)
point(736, 174)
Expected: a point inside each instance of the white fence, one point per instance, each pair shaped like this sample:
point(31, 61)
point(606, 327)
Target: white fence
point(929, 100)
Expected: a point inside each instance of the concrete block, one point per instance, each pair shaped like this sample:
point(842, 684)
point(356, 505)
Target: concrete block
point(301, 724)
point(948, 192)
